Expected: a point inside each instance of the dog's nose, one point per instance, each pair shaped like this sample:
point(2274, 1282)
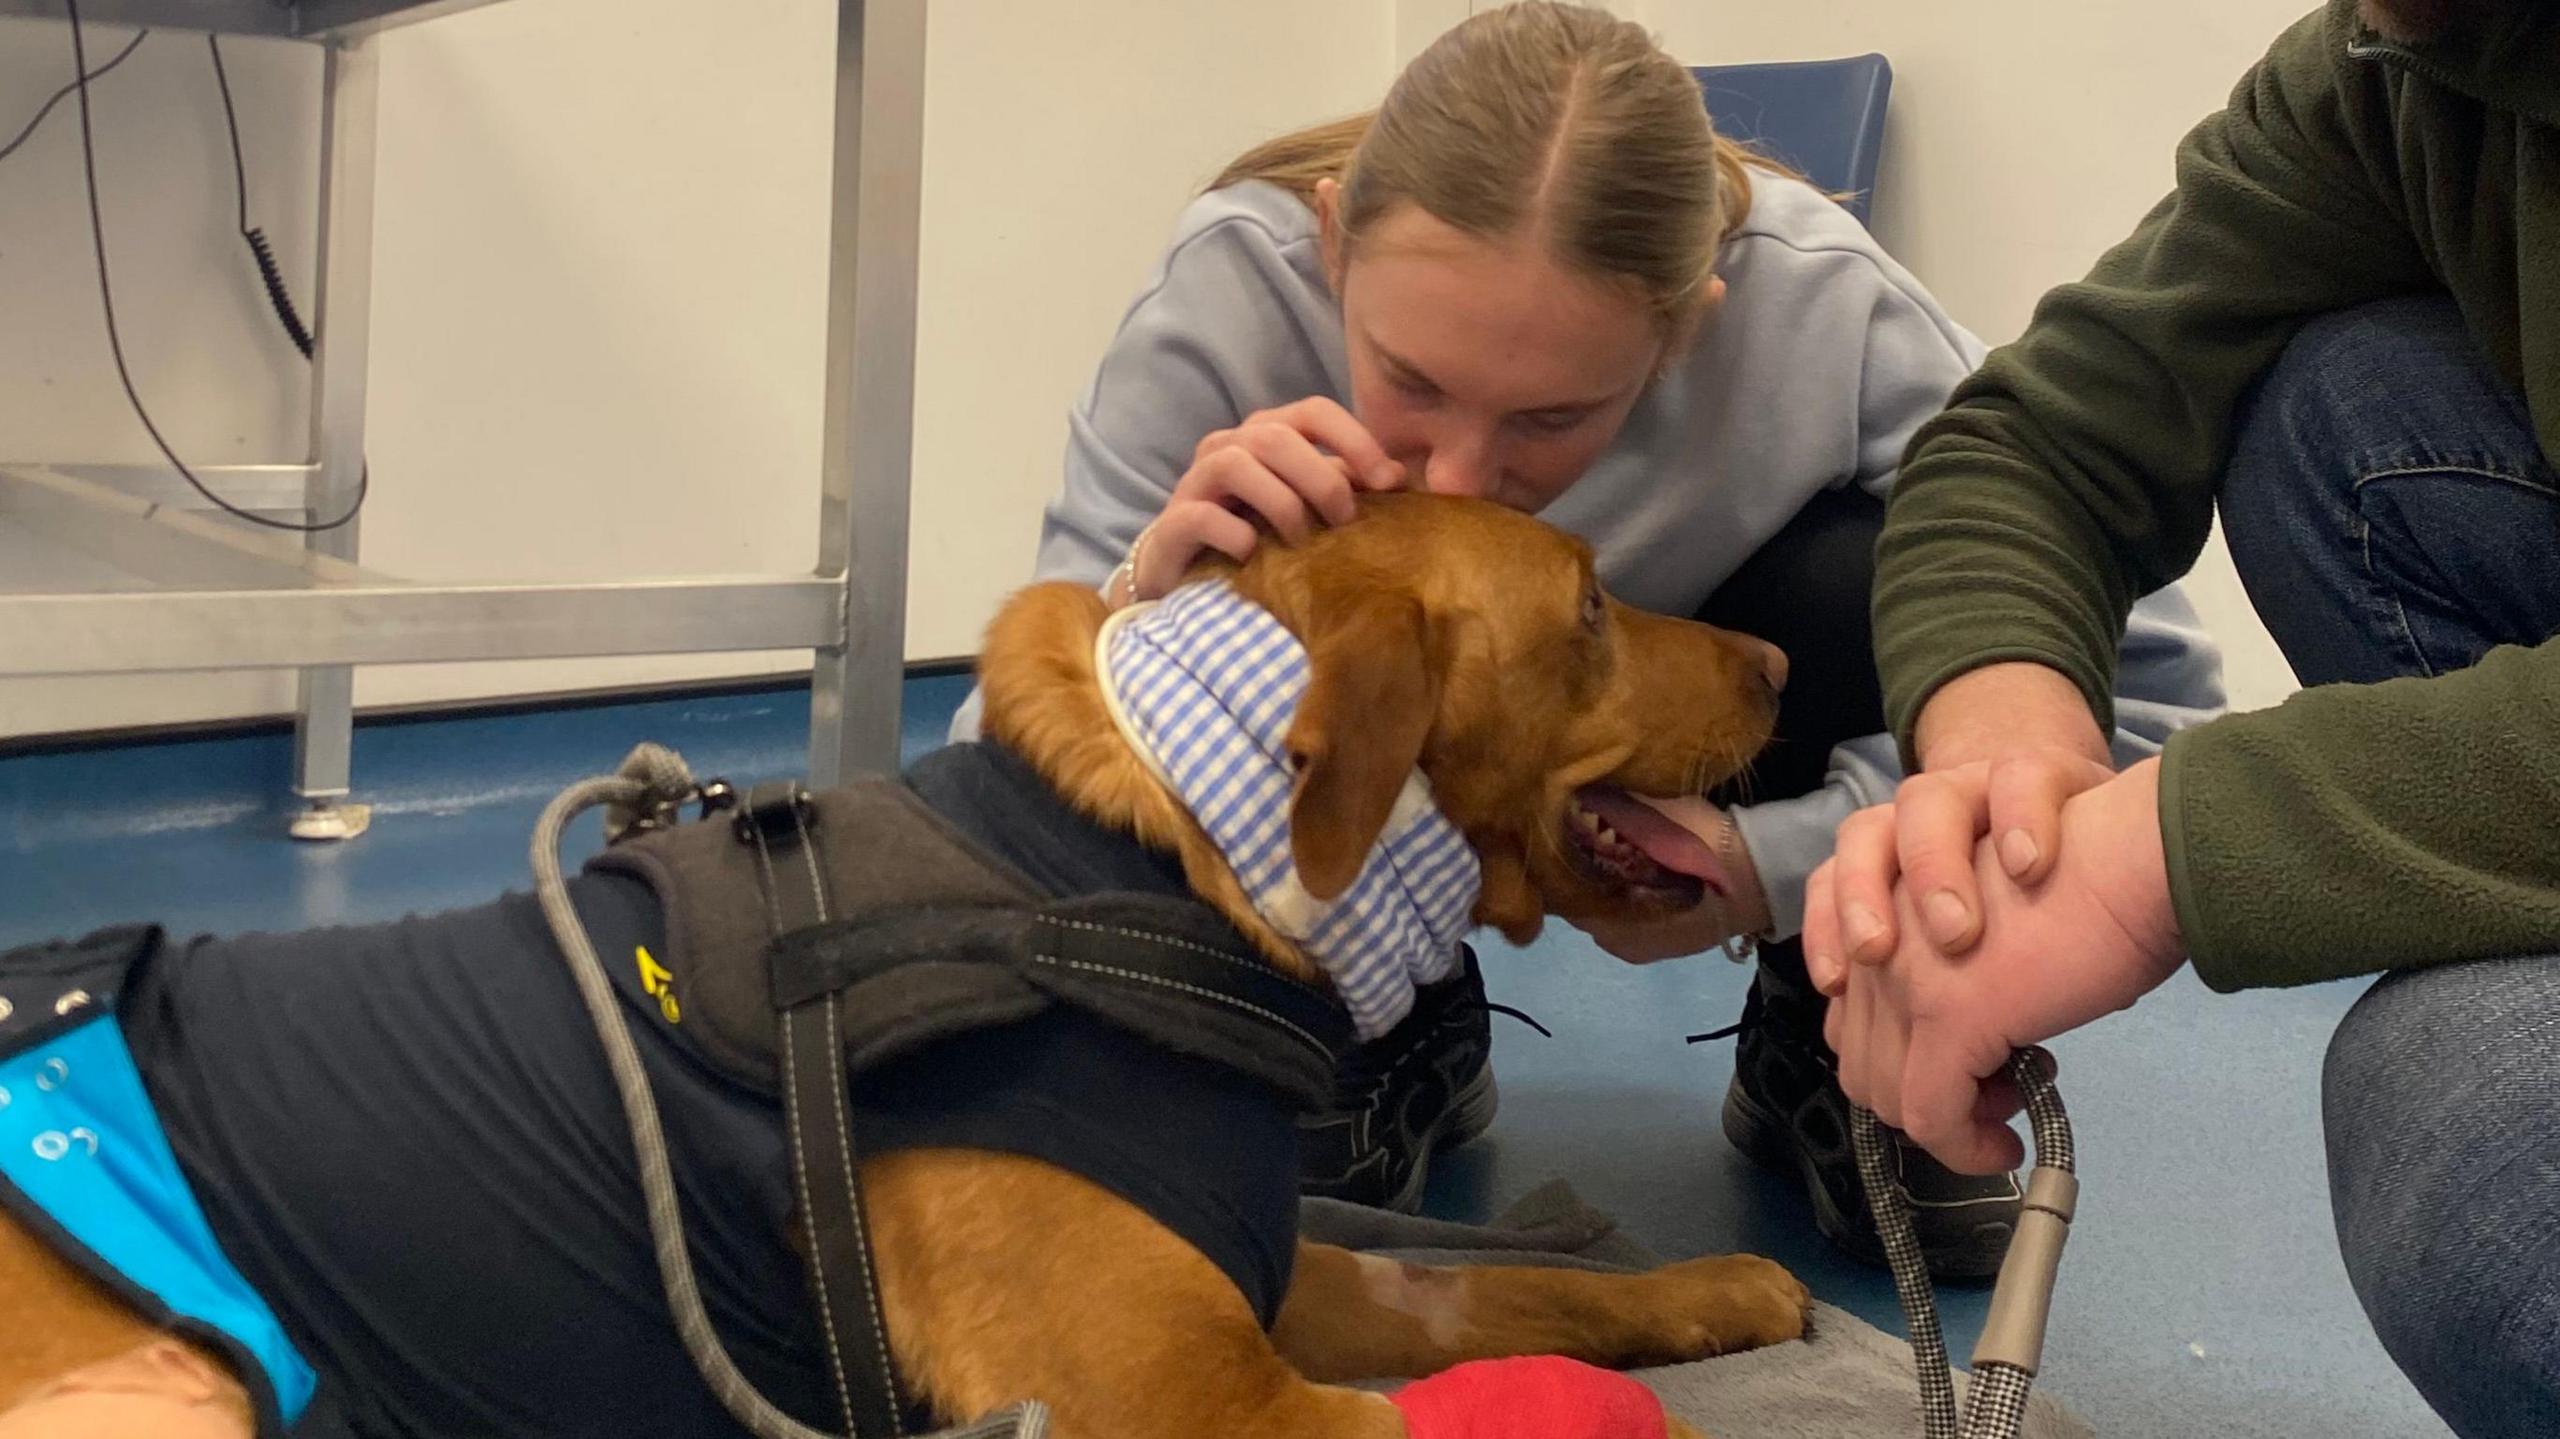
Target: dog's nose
point(1772, 661)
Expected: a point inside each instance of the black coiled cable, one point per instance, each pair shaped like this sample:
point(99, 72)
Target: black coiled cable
point(277, 294)
point(255, 238)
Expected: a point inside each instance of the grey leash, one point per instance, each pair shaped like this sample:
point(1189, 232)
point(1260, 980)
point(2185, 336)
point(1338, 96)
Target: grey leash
point(2006, 1358)
point(652, 783)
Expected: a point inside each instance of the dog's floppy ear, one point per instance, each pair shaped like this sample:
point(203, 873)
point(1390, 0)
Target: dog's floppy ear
point(1359, 732)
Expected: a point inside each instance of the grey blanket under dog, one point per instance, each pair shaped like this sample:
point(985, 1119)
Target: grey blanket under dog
point(1848, 1380)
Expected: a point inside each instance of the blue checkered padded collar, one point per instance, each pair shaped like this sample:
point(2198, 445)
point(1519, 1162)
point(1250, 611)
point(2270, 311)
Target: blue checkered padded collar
point(1203, 685)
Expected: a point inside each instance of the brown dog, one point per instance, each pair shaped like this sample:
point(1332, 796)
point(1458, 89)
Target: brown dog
point(1449, 635)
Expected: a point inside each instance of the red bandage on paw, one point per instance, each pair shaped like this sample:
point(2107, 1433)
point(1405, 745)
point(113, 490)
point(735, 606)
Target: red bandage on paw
point(1538, 1398)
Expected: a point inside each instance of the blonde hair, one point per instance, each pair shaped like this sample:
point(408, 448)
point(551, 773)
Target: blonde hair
point(1558, 116)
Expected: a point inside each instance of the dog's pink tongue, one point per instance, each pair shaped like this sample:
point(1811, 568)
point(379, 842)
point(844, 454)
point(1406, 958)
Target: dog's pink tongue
point(1664, 840)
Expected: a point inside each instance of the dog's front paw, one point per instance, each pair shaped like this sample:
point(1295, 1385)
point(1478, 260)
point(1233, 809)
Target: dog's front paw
point(1726, 1304)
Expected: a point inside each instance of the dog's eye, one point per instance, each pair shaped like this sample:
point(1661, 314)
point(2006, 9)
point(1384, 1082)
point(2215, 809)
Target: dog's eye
point(1595, 610)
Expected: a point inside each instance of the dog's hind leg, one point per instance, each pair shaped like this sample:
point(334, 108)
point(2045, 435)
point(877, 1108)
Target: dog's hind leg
point(77, 1363)
point(1005, 1279)
point(163, 1389)
point(1359, 1316)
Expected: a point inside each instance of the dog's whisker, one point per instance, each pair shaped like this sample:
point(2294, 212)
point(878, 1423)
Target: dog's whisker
point(1694, 771)
point(1745, 780)
point(1730, 761)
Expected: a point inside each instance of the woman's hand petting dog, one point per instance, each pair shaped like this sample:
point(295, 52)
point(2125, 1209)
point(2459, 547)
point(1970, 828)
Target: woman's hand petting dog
point(1292, 468)
point(1718, 919)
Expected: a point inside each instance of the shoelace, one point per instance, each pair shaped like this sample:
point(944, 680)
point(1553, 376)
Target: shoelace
point(1359, 1074)
point(1521, 1015)
point(1743, 1025)
point(1755, 1013)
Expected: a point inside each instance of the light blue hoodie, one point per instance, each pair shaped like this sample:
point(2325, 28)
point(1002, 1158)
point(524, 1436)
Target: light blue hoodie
point(1824, 358)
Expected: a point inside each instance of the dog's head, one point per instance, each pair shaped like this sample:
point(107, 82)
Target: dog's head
point(1477, 643)
point(1448, 634)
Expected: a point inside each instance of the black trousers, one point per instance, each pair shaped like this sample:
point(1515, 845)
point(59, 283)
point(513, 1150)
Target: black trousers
point(1806, 592)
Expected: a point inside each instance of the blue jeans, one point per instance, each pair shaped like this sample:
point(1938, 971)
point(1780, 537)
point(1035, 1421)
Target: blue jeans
point(2392, 514)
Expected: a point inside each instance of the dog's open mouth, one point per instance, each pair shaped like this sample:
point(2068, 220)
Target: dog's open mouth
point(1620, 840)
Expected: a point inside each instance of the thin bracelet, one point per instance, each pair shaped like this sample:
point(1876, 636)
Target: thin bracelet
point(1125, 578)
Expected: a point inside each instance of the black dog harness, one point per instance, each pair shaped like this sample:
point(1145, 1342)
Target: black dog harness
point(897, 955)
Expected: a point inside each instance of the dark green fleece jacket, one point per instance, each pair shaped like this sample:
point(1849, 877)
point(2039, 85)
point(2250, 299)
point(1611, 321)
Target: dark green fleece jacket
point(2350, 829)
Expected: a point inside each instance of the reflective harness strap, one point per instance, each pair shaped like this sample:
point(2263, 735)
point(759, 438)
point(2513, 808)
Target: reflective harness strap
point(775, 822)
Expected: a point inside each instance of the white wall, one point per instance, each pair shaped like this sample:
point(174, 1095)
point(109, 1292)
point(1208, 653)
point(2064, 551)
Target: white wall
point(602, 226)
point(598, 314)
point(2024, 138)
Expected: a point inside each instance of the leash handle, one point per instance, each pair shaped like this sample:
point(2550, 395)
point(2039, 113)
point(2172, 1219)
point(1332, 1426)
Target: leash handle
point(2022, 1300)
point(2006, 1359)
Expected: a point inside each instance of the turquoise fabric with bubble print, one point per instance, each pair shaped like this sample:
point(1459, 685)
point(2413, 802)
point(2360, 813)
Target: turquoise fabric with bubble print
point(82, 1149)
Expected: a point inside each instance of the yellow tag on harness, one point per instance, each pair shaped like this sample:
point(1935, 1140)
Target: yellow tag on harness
point(659, 982)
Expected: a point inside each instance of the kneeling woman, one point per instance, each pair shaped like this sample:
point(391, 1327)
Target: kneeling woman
point(1536, 274)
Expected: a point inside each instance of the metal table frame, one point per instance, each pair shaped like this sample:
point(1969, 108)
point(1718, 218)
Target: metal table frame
point(224, 595)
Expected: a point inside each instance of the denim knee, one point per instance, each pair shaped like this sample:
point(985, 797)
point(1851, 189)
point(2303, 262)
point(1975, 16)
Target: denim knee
point(2394, 383)
point(2387, 502)
point(2442, 1105)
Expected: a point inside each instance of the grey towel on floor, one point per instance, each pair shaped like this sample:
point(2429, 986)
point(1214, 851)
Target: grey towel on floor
point(1848, 1380)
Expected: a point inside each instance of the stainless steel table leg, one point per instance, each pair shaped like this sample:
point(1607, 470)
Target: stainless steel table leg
point(324, 718)
point(870, 396)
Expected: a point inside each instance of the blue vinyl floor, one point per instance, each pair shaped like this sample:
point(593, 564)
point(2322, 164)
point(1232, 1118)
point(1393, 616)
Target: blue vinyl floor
point(2202, 1294)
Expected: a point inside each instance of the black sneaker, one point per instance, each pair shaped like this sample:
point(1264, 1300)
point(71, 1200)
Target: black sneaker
point(1424, 1085)
point(1785, 1110)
